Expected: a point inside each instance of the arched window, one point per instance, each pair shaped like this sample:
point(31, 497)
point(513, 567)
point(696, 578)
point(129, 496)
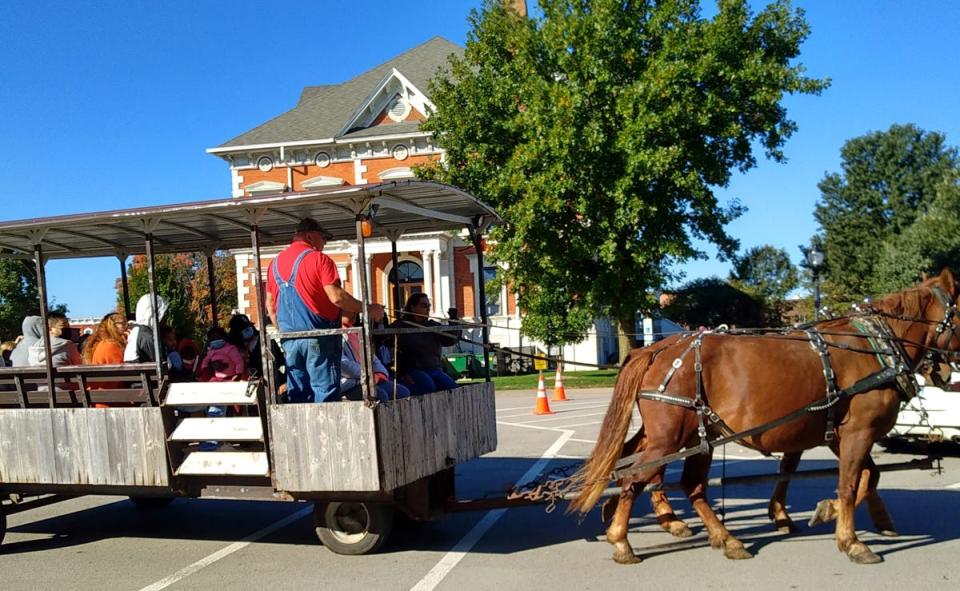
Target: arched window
point(411, 282)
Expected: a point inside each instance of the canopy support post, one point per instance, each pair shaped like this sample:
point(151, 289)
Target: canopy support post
point(211, 279)
point(125, 285)
point(266, 352)
point(476, 237)
point(44, 319)
point(152, 278)
point(366, 368)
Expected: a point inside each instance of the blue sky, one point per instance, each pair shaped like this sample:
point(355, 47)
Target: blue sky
point(112, 104)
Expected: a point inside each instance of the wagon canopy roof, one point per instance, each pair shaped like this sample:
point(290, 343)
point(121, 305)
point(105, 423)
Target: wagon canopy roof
point(406, 206)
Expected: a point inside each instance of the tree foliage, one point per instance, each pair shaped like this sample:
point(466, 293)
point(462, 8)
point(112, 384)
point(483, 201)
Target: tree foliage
point(889, 181)
point(600, 132)
point(711, 302)
point(183, 283)
point(19, 296)
point(766, 273)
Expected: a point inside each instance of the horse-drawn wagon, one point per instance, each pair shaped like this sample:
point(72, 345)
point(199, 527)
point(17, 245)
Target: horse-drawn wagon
point(120, 430)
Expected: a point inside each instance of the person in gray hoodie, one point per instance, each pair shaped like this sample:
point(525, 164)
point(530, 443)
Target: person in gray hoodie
point(139, 347)
point(32, 328)
point(62, 351)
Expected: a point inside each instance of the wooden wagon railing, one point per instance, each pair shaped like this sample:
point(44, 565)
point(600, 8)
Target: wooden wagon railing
point(79, 386)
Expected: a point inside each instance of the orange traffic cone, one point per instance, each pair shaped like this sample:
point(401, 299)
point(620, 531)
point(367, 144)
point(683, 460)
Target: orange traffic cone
point(559, 394)
point(543, 407)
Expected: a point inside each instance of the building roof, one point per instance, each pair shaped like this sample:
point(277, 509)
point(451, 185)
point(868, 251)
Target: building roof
point(406, 207)
point(323, 111)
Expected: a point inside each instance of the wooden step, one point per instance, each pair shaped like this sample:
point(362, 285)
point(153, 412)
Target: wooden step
point(219, 429)
point(207, 393)
point(225, 463)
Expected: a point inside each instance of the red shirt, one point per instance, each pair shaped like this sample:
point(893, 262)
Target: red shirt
point(316, 270)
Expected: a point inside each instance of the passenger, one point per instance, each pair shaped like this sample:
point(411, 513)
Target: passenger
point(244, 336)
point(223, 362)
point(304, 293)
point(175, 365)
point(419, 355)
point(350, 367)
point(32, 328)
point(139, 348)
point(6, 348)
point(63, 351)
point(105, 347)
point(189, 353)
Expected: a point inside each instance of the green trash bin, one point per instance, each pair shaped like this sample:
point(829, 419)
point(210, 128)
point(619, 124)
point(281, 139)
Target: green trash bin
point(460, 362)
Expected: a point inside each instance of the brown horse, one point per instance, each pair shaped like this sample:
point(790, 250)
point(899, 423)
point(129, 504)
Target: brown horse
point(752, 381)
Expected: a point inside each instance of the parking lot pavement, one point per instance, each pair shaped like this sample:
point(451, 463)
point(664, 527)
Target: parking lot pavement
point(106, 543)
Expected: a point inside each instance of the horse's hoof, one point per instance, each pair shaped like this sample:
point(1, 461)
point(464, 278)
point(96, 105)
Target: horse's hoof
point(679, 529)
point(786, 526)
point(865, 556)
point(822, 514)
point(889, 533)
point(737, 553)
point(625, 558)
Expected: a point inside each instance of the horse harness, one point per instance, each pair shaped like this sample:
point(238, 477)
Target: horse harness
point(894, 367)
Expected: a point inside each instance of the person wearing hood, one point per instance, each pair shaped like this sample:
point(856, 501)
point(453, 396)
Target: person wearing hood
point(63, 351)
point(32, 328)
point(139, 348)
point(244, 336)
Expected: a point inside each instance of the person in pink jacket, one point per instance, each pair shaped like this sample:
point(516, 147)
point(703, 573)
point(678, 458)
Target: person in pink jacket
point(223, 362)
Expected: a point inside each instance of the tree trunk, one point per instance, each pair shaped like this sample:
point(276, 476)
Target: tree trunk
point(626, 327)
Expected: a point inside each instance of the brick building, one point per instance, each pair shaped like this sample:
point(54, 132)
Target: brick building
point(367, 130)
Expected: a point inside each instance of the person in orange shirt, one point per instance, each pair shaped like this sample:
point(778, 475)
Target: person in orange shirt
point(105, 347)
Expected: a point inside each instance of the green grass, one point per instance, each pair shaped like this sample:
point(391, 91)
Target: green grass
point(601, 378)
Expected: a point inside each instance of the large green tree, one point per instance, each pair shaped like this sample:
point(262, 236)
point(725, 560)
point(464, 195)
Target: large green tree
point(888, 179)
point(19, 295)
point(600, 132)
point(766, 273)
point(711, 302)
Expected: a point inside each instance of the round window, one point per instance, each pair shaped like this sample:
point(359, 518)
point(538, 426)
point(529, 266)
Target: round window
point(398, 109)
point(265, 163)
point(400, 152)
point(322, 159)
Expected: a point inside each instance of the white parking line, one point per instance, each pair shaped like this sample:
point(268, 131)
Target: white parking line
point(556, 407)
point(579, 425)
point(568, 404)
point(207, 561)
point(458, 552)
point(565, 417)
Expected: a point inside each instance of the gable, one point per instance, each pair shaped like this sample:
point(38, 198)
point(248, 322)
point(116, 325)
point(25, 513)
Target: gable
point(396, 97)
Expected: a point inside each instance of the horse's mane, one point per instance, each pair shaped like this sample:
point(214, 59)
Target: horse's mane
point(913, 302)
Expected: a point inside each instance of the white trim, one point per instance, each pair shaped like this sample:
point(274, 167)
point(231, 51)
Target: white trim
point(265, 187)
point(243, 292)
point(382, 95)
point(358, 171)
point(397, 173)
point(236, 182)
point(248, 147)
point(322, 181)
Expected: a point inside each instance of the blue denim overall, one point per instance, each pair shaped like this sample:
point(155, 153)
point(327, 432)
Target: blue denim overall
point(313, 364)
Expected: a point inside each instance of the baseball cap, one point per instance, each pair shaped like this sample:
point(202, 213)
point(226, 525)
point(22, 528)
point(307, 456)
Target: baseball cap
point(312, 225)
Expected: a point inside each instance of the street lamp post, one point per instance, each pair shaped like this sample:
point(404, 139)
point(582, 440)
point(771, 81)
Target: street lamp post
point(815, 259)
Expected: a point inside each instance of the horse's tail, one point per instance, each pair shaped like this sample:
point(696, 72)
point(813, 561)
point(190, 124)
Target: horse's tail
point(594, 474)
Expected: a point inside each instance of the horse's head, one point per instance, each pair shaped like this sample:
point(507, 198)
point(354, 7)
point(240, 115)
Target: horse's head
point(943, 337)
point(946, 332)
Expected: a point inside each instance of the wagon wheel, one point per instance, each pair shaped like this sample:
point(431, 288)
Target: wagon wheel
point(353, 528)
point(149, 503)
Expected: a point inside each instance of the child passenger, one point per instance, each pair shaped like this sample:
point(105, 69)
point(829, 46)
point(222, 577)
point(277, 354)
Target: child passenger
point(222, 362)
